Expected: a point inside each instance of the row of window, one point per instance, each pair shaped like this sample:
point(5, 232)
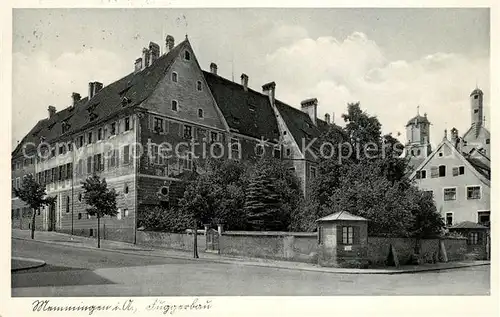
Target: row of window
point(350, 235)
point(162, 125)
point(483, 218)
point(440, 171)
point(472, 192)
point(175, 78)
point(59, 173)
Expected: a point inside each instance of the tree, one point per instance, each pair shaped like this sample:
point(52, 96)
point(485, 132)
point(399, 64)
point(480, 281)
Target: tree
point(34, 195)
point(263, 204)
point(195, 205)
point(100, 198)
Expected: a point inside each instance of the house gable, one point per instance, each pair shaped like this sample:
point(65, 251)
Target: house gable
point(183, 83)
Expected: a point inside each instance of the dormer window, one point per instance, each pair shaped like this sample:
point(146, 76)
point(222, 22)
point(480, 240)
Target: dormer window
point(174, 77)
point(187, 56)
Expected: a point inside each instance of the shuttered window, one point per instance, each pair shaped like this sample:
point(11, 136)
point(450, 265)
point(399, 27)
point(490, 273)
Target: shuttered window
point(434, 172)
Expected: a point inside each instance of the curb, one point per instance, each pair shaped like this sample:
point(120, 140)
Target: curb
point(246, 263)
point(36, 263)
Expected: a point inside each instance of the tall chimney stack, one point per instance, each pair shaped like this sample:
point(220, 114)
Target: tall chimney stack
point(75, 97)
point(270, 90)
point(327, 118)
point(145, 58)
point(169, 43)
point(244, 81)
point(213, 68)
point(310, 106)
point(52, 111)
point(154, 50)
point(138, 65)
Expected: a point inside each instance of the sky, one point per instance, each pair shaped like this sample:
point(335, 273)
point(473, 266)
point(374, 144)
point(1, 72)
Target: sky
point(390, 60)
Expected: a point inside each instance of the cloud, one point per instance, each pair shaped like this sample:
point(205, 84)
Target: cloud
point(39, 81)
point(356, 69)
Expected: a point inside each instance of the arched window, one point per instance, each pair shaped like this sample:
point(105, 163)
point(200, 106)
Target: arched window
point(174, 77)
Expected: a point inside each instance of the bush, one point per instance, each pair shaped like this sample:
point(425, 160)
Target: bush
point(155, 218)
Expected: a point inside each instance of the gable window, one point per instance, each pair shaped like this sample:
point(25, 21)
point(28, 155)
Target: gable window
point(473, 192)
point(421, 174)
point(449, 219)
point(476, 110)
point(199, 87)
point(442, 170)
point(458, 170)
point(188, 132)
point(174, 105)
point(440, 154)
point(347, 235)
point(187, 56)
point(200, 113)
point(174, 77)
point(99, 134)
point(487, 141)
point(127, 123)
point(450, 194)
point(476, 96)
point(89, 138)
point(158, 124)
point(288, 152)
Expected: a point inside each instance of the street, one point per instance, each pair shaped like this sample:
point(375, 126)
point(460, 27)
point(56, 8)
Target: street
point(74, 271)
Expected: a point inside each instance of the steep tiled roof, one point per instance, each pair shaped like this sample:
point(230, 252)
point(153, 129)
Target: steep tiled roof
point(418, 119)
point(135, 87)
point(479, 166)
point(247, 112)
point(300, 124)
point(342, 215)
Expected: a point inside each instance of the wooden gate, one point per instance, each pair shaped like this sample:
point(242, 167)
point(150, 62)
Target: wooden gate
point(212, 240)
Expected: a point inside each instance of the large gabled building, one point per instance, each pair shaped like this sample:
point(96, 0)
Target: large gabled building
point(458, 171)
point(118, 130)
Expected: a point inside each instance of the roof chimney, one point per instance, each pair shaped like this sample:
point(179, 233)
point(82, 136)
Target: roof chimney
point(270, 90)
point(75, 97)
point(52, 111)
point(310, 106)
point(169, 43)
point(154, 50)
point(145, 58)
point(244, 81)
point(138, 65)
point(327, 118)
point(94, 88)
point(213, 68)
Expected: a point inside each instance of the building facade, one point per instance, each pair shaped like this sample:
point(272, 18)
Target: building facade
point(149, 132)
point(458, 172)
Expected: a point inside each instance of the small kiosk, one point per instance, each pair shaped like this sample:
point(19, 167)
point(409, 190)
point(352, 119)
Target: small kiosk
point(343, 240)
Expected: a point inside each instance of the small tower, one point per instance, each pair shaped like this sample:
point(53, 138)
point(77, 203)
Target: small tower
point(417, 134)
point(476, 110)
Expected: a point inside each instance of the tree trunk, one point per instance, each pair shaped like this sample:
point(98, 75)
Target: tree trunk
point(195, 240)
point(33, 225)
point(98, 231)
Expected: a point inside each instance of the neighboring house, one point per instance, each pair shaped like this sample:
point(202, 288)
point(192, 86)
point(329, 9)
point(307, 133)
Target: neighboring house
point(117, 131)
point(460, 184)
point(458, 171)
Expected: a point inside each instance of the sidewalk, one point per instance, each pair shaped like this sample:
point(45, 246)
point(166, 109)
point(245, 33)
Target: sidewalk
point(128, 248)
point(20, 264)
